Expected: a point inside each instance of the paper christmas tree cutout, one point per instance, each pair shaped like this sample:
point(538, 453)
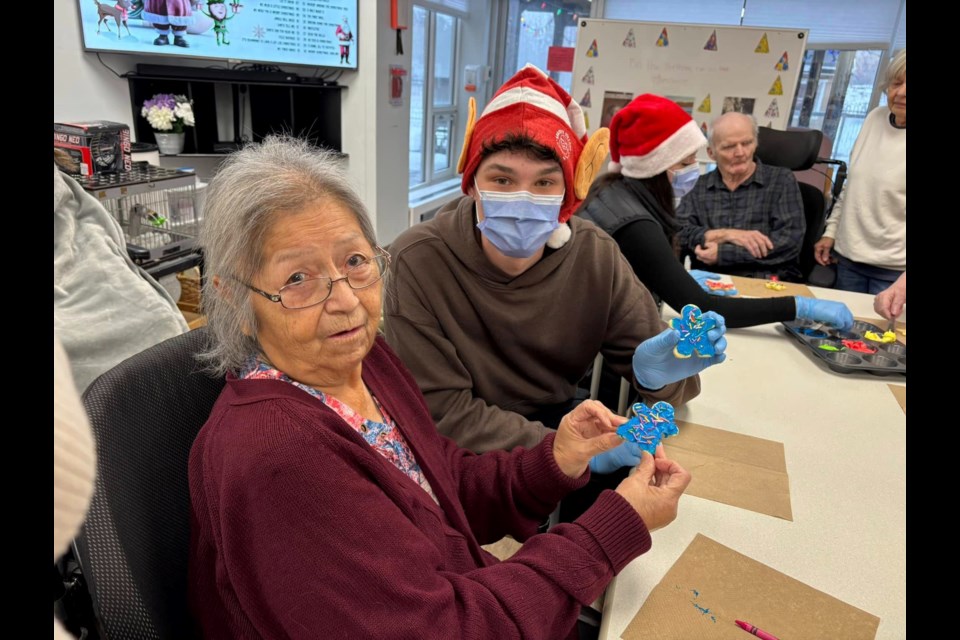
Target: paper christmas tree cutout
point(712, 42)
point(592, 51)
point(763, 46)
point(630, 40)
point(783, 65)
point(773, 111)
point(663, 40)
point(777, 88)
point(703, 127)
point(705, 105)
point(588, 76)
point(585, 100)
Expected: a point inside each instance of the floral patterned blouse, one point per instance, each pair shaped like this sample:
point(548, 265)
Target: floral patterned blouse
point(384, 437)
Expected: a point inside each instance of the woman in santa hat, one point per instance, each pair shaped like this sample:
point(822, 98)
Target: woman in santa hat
point(653, 148)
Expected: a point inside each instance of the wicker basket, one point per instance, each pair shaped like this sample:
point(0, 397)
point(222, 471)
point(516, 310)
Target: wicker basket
point(189, 290)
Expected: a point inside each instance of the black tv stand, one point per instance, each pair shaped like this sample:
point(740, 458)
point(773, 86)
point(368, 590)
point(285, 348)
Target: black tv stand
point(214, 74)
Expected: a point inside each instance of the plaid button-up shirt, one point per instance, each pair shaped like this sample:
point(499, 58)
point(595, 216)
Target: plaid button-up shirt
point(769, 202)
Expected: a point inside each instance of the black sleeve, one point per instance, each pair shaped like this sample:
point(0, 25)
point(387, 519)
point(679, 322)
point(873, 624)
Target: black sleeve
point(647, 250)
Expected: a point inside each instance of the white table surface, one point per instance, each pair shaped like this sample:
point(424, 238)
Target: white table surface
point(844, 438)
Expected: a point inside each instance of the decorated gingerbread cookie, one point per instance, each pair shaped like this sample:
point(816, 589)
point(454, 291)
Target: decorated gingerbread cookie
point(693, 329)
point(649, 426)
point(721, 288)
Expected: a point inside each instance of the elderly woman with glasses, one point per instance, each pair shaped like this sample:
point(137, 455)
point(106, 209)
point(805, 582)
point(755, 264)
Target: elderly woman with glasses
point(324, 502)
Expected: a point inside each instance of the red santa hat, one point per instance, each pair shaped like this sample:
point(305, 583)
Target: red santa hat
point(532, 104)
point(651, 134)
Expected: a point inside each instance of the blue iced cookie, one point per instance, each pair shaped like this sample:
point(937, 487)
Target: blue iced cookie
point(649, 426)
point(693, 329)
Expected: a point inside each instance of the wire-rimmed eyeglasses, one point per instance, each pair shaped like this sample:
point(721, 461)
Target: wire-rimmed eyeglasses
point(314, 291)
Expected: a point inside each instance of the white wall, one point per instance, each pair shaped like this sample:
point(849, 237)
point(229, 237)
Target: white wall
point(82, 88)
point(375, 134)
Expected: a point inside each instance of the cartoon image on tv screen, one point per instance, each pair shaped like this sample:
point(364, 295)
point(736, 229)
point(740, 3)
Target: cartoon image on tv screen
point(116, 13)
point(218, 13)
point(314, 32)
point(345, 36)
point(170, 15)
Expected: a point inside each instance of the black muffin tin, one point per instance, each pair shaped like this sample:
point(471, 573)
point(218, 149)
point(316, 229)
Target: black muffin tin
point(890, 358)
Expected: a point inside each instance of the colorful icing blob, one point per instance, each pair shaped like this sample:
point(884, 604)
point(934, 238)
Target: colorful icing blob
point(721, 288)
point(812, 333)
point(775, 286)
point(693, 329)
point(859, 346)
point(829, 347)
point(888, 336)
point(649, 426)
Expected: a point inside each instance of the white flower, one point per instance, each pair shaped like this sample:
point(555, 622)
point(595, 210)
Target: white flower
point(168, 112)
point(160, 119)
point(184, 110)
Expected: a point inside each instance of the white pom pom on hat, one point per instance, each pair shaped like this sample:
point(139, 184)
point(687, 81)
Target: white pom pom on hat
point(560, 236)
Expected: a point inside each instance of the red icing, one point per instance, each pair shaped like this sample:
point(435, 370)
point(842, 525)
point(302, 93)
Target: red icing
point(858, 345)
point(716, 285)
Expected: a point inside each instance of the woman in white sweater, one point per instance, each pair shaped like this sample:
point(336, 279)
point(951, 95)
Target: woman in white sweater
point(867, 231)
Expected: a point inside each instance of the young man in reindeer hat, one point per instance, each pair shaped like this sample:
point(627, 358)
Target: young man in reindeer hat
point(501, 302)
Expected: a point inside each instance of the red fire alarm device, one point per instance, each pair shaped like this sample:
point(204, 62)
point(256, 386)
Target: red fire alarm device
point(399, 11)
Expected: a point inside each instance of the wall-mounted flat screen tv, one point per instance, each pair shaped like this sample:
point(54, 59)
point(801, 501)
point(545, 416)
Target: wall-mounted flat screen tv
point(306, 32)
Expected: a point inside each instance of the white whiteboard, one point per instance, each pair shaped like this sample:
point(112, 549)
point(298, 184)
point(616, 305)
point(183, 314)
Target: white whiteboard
point(706, 69)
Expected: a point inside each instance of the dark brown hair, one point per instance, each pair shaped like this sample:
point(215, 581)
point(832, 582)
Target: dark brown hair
point(659, 188)
point(519, 143)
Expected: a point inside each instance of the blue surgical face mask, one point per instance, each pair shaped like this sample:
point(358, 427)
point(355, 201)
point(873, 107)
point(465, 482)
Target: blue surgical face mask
point(684, 179)
point(518, 223)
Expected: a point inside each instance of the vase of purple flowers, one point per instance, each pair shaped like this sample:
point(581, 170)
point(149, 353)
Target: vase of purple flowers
point(168, 115)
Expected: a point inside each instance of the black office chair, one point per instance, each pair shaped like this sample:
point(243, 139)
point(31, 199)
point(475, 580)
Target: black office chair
point(134, 546)
point(798, 150)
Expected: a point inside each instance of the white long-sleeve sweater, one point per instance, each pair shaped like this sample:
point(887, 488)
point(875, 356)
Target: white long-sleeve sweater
point(869, 221)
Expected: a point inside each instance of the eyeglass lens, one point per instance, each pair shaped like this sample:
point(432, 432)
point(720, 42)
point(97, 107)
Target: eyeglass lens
point(315, 290)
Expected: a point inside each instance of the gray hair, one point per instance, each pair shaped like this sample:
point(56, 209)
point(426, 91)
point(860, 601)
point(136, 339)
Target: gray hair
point(896, 69)
point(713, 126)
point(253, 189)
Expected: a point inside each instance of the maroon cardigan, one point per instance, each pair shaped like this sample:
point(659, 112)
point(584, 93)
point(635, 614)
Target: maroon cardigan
point(301, 530)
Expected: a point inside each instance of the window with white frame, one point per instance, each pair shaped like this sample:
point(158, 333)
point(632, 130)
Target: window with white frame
point(433, 96)
point(847, 50)
point(532, 27)
point(834, 94)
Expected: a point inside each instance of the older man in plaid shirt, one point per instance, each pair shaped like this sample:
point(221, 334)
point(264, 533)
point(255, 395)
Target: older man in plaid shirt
point(745, 218)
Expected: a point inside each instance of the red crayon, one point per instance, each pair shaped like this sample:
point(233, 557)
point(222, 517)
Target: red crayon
point(749, 628)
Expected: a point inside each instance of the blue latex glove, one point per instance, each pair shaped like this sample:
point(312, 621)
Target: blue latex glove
point(625, 455)
point(833, 313)
point(702, 276)
point(655, 366)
